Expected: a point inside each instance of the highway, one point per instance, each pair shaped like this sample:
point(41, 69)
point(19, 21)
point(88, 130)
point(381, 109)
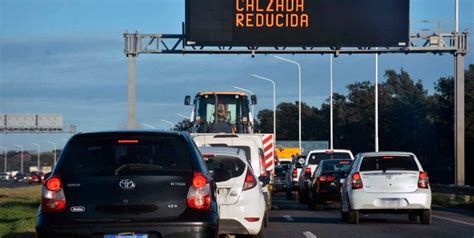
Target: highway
point(291, 219)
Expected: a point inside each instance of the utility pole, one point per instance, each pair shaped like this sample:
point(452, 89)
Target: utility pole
point(331, 119)
point(459, 140)
point(54, 152)
point(38, 153)
point(5, 150)
point(21, 164)
point(376, 103)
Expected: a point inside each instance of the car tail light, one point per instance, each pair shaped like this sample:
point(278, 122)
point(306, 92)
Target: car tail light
point(250, 181)
point(199, 195)
point(294, 173)
point(423, 181)
point(127, 141)
point(307, 172)
point(327, 178)
point(52, 196)
point(357, 181)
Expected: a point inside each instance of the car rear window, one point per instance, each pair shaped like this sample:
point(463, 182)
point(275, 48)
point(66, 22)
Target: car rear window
point(228, 164)
point(280, 170)
point(109, 155)
point(315, 158)
point(388, 163)
point(245, 148)
point(336, 165)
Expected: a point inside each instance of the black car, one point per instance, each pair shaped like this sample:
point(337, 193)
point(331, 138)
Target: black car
point(326, 182)
point(279, 181)
point(129, 184)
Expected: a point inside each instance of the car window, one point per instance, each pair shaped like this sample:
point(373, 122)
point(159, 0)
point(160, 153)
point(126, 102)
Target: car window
point(246, 149)
point(314, 158)
point(388, 163)
point(233, 166)
point(117, 155)
point(336, 165)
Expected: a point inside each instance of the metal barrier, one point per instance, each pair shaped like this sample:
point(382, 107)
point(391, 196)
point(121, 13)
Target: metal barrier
point(452, 189)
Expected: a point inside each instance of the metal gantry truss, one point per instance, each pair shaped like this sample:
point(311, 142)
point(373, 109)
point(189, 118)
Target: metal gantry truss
point(137, 43)
point(455, 43)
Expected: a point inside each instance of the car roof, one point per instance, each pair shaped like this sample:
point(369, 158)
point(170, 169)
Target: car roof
point(227, 151)
point(150, 131)
point(385, 153)
point(333, 150)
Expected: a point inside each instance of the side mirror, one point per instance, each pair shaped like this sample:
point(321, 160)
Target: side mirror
point(253, 99)
point(220, 175)
point(264, 179)
point(187, 100)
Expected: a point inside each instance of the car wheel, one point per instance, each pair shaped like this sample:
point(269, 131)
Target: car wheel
point(265, 220)
point(289, 194)
point(413, 216)
point(311, 200)
point(344, 216)
point(354, 217)
point(426, 217)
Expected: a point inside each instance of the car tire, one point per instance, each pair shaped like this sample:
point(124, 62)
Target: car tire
point(425, 217)
point(300, 197)
point(353, 217)
point(265, 220)
point(311, 201)
point(413, 216)
point(289, 195)
point(344, 216)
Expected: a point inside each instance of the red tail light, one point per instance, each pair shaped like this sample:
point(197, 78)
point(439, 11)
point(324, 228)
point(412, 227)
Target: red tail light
point(328, 178)
point(199, 195)
point(294, 173)
point(357, 181)
point(307, 172)
point(250, 181)
point(52, 196)
point(423, 181)
point(252, 219)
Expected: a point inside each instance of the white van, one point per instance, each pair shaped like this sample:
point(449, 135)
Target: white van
point(251, 144)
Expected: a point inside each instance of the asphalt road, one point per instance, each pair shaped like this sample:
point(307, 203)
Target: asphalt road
point(291, 219)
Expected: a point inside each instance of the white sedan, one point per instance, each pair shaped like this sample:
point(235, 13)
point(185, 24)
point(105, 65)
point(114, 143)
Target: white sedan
point(240, 198)
point(386, 182)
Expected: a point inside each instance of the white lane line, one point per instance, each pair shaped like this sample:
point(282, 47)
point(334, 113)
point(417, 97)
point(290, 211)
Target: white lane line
point(309, 234)
point(288, 218)
point(454, 220)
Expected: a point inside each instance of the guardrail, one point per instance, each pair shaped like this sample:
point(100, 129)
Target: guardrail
point(452, 189)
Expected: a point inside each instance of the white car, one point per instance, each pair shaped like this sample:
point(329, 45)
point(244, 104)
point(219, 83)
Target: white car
point(311, 164)
point(386, 182)
point(241, 203)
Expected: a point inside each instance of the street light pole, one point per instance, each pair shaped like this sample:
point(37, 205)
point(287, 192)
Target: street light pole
point(274, 104)
point(331, 126)
point(376, 102)
point(5, 159)
point(21, 164)
point(299, 94)
point(38, 151)
point(54, 152)
point(251, 93)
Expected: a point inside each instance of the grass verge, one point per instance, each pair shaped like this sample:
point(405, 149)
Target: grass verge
point(18, 208)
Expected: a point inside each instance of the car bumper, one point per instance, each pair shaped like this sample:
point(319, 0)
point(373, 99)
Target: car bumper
point(165, 230)
point(232, 217)
point(361, 200)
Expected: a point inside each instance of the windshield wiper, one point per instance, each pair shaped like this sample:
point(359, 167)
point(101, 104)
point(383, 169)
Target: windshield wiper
point(129, 167)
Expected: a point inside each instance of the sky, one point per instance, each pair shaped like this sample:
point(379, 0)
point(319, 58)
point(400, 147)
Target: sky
point(66, 57)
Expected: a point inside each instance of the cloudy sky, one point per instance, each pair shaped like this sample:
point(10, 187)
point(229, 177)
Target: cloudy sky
point(66, 57)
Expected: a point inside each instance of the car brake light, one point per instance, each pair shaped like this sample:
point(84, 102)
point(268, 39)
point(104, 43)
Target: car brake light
point(52, 196)
point(344, 162)
point(199, 195)
point(252, 219)
point(357, 181)
point(208, 155)
point(295, 173)
point(307, 172)
point(250, 181)
point(423, 181)
point(327, 178)
point(127, 141)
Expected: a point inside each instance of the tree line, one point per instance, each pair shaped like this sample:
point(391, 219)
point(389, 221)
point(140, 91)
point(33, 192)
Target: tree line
point(410, 119)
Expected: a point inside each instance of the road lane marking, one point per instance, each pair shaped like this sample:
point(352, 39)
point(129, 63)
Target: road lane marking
point(288, 218)
point(275, 207)
point(309, 234)
point(454, 220)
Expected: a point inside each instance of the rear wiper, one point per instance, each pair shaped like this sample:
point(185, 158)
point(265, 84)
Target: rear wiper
point(136, 167)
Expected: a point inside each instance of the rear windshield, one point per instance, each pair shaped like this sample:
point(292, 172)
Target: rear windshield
point(314, 158)
point(388, 163)
point(281, 169)
point(336, 165)
point(130, 155)
point(233, 166)
point(245, 148)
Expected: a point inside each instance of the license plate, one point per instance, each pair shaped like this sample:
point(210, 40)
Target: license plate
point(126, 235)
point(391, 202)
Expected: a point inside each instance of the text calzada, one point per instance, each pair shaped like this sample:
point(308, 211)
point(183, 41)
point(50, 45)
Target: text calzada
point(272, 13)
